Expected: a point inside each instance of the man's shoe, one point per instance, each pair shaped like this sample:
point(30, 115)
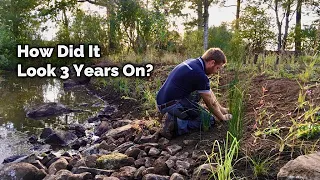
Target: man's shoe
point(168, 130)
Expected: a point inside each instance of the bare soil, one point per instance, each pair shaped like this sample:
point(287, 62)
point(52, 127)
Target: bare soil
point(278, 97)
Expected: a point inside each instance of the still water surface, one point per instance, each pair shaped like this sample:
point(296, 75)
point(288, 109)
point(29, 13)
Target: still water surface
point(19, 94)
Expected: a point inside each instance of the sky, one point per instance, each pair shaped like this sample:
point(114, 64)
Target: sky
point(217, 15)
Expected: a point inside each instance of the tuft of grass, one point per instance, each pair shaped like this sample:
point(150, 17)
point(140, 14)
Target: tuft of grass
point(261, 166)
point(224, 158)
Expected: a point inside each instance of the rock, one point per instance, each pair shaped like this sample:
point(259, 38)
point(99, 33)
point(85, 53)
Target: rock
point(119, 132)
point(58, 165)
point(102, 128)
point(93, 171)
point(203, 172)
point(39, 165)
point(163, 141)
point(60, 138)
point(154, 151)
point(52, 161)
point(182, 155)
point(133, 152)
point(94, 149)
point(126, 172)
point(12, 158)
point(48, 158)
point(122, 122)
point(106, 178)
point(142, 154)
point(139, 162)
point(303, 167)
point(46, 132)
point(91, 161)
point(77, 161)
point(170, 163)
point(107, 146)
point(183, 172)
point(155, 177)
point(123, 147)
point(33, 139)
point(149, 170)
point(160, 166)
point(173, 149)
point(176, 176)
point(138, 173)
point(107, 111)
point(164, 153)
point(114, 161)
point(47, 109)
point(78, 130)
point(93, 119)
point(103, 177)
point(149, 162)
point(182, 164)
point(21, 171)
point(65, 174)
point(149, 139)
point(77, 144)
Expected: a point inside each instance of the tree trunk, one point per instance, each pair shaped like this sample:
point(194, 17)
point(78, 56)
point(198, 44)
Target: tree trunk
point(200, 14)
point(279, 26)
point(205, 30)
point(286, 27)
point(111, 27)
point(297, 40)
point(238, 15)
point(66, 25)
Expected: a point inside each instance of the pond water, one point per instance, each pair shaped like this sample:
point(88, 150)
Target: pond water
point(19, 94)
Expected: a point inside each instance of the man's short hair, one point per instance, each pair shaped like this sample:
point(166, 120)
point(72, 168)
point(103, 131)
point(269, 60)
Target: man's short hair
point(215, 54)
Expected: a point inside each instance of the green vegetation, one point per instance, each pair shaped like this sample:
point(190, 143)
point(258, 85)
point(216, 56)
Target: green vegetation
point(223, 160)
point(257, 44)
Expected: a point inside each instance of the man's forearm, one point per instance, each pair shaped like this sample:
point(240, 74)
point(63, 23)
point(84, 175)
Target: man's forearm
point(215, 110)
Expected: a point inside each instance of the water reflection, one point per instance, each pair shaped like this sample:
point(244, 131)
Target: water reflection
point(51, 91)
point(19, 94)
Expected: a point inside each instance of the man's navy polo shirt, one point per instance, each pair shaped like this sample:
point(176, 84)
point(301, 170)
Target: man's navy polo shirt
point(185, 78)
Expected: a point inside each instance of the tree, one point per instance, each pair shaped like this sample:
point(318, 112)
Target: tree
point(298, 28)
point(284, 7)
point(255, 29)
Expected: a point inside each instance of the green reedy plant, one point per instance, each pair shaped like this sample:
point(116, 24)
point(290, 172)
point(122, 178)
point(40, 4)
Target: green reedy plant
point(224, 158)
point(236, 107)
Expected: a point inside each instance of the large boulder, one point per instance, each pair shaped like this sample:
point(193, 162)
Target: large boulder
point(303, 167)
point(23, 171)
point(47, 109)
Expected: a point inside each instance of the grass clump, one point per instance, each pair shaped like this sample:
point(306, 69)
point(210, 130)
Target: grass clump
point(224, 158)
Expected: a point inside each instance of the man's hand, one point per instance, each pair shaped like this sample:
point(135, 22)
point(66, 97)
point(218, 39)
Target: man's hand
point(227, 117)
point(224, 110)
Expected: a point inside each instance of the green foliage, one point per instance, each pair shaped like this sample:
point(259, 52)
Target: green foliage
point(236, 107)
point(224, 158)
point(7, 46)
point(255, 28)
point(261, 166)
point(308, 73)
point(218, 37)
